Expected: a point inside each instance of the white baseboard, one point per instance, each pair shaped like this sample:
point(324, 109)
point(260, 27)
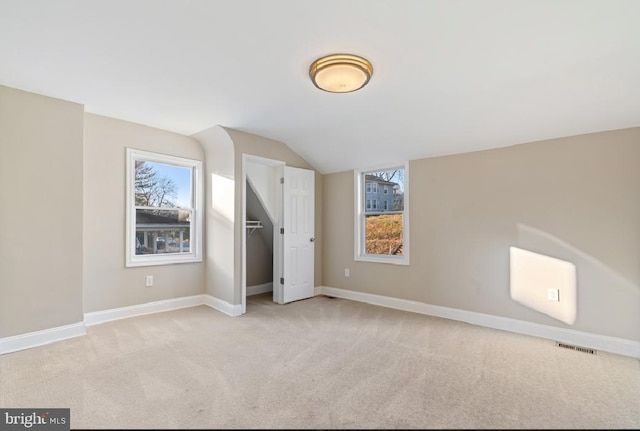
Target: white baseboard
point(605, 343)
point(317, 290)
point(39, 338)
point(223, 306)
point(260, 288)
point(98, 317)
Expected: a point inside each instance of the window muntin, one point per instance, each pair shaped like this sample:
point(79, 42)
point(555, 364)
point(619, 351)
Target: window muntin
point(164, 219)
point(382, 224)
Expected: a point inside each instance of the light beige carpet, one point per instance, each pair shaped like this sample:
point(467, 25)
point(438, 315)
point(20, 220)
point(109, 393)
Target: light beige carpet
point(319, 363)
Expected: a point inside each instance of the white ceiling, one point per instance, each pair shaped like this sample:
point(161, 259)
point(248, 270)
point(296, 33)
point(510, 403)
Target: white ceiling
point(449, 76)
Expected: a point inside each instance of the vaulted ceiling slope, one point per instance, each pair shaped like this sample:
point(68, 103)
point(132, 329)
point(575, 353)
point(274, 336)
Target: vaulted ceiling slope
point(449, 76)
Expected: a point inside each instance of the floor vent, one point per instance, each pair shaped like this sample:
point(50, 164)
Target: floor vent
point(577, 348)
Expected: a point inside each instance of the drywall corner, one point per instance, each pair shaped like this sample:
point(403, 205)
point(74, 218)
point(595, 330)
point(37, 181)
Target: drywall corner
point(219, 212)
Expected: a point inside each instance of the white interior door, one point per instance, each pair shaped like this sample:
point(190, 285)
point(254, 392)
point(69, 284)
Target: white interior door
point(299, 228)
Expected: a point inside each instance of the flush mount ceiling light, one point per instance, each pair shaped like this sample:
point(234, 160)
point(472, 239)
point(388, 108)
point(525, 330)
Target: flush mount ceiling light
point(340, 73)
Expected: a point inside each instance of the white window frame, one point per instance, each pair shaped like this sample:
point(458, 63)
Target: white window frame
point(360, 193)
point(197, 197)
point(374, 187)
point(368, 187)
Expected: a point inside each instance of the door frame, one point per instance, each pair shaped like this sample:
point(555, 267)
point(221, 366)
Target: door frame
point(277, 224)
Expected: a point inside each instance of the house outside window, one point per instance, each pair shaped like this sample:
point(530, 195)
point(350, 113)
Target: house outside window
point(164, 209)
point(382, 216)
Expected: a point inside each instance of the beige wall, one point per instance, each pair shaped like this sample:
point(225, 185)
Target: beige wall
point(107, 282)
point(219, 213)
point(223, 149)
point(62, 222)
point(246, 143)
point(259, 261)
point(260, 241)
point(573, 198)
point(40, 212)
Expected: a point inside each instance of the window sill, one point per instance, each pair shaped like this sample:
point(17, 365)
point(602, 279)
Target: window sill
point(156, 261)
point(380, 259)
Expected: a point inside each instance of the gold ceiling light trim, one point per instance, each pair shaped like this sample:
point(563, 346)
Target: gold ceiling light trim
point(340, 73)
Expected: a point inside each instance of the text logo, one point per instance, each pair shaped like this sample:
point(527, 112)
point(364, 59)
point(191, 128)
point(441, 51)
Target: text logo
point(35, 419)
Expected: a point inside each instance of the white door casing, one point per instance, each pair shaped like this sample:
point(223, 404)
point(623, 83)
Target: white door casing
point(299, 233)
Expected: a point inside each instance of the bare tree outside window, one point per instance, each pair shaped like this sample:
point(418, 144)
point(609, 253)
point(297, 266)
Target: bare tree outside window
point(153, 189)
point(392, 175)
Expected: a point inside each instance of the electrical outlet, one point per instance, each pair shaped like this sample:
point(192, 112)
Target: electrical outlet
point(553, 295)
point(346, 272)
point(148, 282)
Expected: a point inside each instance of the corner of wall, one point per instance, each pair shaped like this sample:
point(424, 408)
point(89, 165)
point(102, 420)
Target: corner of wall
point(220, 223)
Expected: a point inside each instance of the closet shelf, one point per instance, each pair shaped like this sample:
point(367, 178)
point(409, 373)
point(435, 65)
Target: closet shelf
point(252, 225)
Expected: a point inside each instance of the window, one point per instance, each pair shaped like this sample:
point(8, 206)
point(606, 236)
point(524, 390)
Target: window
point(368, 187)
point(374, 187)
point(164, 209)
point(386, 190)
point(382, 230)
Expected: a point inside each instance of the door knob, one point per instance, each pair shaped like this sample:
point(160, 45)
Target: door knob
point(312, 240)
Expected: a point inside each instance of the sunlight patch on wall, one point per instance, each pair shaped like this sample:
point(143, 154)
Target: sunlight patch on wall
point(544, 284)
point(223, 196)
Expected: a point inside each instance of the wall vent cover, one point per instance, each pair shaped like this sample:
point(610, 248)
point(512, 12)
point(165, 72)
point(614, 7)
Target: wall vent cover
point(577, 348)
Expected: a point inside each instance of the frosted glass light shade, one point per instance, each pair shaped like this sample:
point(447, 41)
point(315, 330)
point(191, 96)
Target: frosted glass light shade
point(340, 73)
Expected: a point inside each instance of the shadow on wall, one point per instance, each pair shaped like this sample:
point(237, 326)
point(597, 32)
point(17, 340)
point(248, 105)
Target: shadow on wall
point(604, 298)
